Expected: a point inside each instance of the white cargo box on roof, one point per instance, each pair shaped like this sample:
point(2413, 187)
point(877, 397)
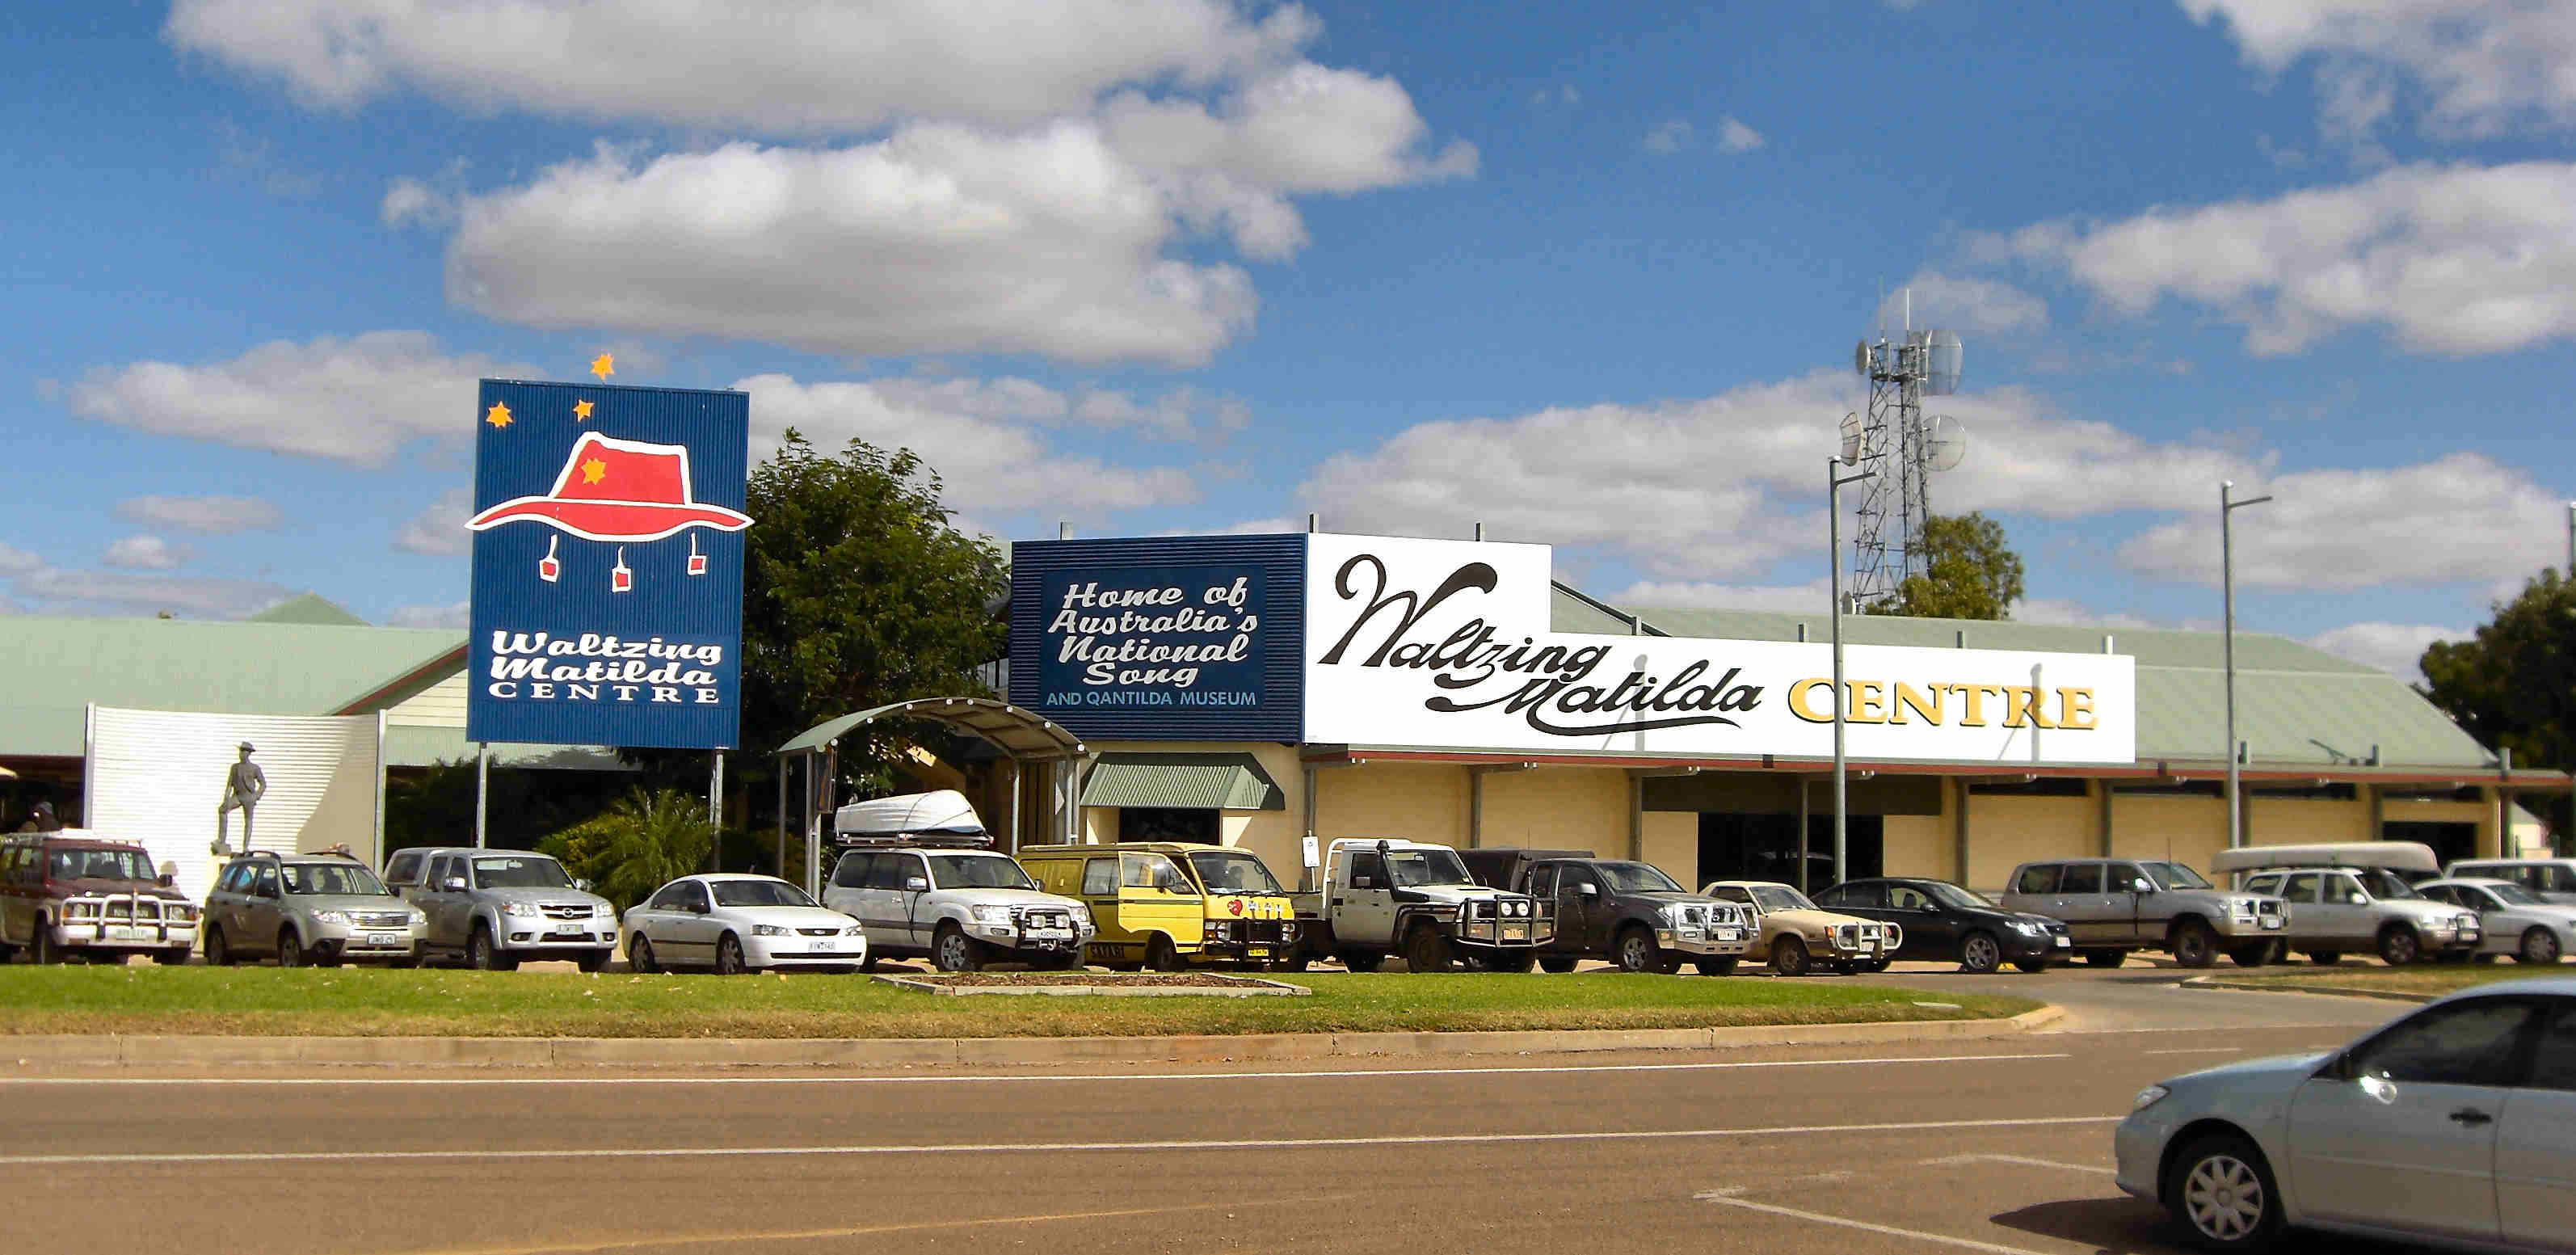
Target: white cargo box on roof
point(939, 817)
point(2397, 856)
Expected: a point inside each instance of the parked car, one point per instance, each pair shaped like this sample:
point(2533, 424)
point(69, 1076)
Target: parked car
point(1942, 921)
point(1382, 897)
point(1793, 934)
point(735, 922)
point(2455, 1125)
point(2114, 906)
point(66, 893)
point(920, 878)
point(2349, 896)
point(2551, 878)
point(1628, 912)
point(324, 909)
point(1167, 905)
point(496, 909)
point(2517, 921)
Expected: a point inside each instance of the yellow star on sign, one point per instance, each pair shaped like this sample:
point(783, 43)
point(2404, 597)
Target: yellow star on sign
point(581, 411)
point(604, 365)
point(593, 471)
point(498, 415)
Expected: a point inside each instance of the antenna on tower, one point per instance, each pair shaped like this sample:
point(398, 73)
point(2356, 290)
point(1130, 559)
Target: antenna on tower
point(1894, 439)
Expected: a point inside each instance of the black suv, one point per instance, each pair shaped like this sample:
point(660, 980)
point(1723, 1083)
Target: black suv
point(1628, 912)
point(1944, 921)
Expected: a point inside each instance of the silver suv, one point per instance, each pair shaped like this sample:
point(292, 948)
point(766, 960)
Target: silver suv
point(2348, 896)
point(323, 909)
point(961, 907)
point(498, 908)
point(2112, 906)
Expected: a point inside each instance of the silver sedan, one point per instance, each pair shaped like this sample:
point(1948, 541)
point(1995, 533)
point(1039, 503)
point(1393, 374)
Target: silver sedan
point(2518, 922)
point(739, 923)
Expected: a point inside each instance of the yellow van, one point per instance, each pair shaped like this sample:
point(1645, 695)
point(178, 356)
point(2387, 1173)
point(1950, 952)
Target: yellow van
point(1167, 905)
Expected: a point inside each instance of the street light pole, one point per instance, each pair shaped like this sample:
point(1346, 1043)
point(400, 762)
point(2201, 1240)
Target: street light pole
point(1834, 481)
point(2227, 507)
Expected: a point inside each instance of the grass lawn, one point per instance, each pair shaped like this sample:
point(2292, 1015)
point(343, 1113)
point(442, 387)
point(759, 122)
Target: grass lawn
point(2431, 980)
point(350, 1002)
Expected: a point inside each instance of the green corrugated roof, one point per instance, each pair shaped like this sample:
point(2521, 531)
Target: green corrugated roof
point(51, 668)
point(1233, 782)
point(309, 608)
point(2295, 704)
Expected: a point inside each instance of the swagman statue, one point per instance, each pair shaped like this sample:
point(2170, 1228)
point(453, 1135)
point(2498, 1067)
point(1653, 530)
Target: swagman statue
point(244, 785)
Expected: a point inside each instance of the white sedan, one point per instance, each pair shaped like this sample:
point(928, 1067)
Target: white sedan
point(2518, 922)
point(735, 923)
point(2455, 1125)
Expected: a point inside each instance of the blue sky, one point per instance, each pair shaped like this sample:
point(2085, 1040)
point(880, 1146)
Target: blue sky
point(1587, 274)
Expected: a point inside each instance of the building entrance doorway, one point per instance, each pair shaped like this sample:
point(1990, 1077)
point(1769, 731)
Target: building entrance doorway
point(1737, 846)
point(2451, 842)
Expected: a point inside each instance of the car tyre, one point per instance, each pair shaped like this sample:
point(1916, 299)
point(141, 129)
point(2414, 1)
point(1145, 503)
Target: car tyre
point(1557, 963)
point(1789, 957)
point(290, 948)
point(1636, 951)
point(40, 945)
point(951, 950)
point(2539, 946)
point(2105, 958)
point(483, 951)
point(2223, 1195)
point(2194, 945)
point(1363, 960)
point(2255, 955)
point(639, 955)
point(729, 961)
point(1161, 955)
point(2325, 958)
point(1716, 966)
point(1426, 950)
point(1980, 953)
point(594, 960)
point(219, 949)
point(175, 956)
point(2398, 946)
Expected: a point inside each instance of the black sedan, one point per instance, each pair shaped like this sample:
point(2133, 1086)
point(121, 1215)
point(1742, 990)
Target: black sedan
point(1944, 921)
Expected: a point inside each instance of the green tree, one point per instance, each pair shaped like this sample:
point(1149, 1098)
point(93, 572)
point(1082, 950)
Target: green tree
point(2513, 684)
point(641, 842)
point(1971, 572)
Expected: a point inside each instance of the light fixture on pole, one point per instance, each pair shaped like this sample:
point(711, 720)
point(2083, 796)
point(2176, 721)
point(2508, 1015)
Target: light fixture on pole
point(1834, 481)
point(2227, 507)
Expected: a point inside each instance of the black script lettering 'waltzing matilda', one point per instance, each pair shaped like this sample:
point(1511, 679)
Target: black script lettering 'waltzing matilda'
point(1545, 683)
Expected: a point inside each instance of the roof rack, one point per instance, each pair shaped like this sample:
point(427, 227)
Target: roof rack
point(337, 851)
point(928, 840)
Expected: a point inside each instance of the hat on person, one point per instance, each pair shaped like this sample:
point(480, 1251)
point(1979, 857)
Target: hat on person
point(247, 747)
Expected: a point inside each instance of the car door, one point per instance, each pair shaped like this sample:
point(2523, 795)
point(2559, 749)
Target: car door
point(2340, 911)
point(2401, 1133)
point(1931, 929)
point(1865, 899)
point(263, 909)
point(693, 926)
point(888, 900)
point(13, 893)
point(450, 911)
point(1541, 886)
point(848, 884)
point(2535, 1163)
point(2089, 912)
point(1100, 893)
point(1584, 902)
point(1364, 910)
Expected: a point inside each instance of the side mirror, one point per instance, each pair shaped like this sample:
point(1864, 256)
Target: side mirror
point(699, 908)
point(1588, 890)
point(581, 883)
point(916, 884)
point(2142, 885)
point(453, 884)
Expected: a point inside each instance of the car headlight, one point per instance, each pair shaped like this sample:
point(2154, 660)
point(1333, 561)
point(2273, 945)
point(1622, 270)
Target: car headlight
point(2028, 929)
point(1081, 914)
point(330, 917)
point(522, 909)
point(767, 930)
point(2149, 1097)
point(1220, 929)
point(419, 918)
point(854, 931)
point(603, 910)
point(990, 914)
point(1288, 931)
point(2465, 923)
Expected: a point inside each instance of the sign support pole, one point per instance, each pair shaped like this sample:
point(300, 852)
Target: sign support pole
point(715, 811)
point(482, 790)
point(1834, 481)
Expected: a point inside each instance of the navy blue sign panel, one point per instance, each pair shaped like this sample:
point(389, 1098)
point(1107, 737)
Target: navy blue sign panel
point(608, 555)
point(1182, 638)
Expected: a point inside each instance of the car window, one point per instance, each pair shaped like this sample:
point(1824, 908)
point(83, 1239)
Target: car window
point(1151, 871)
point(335, 879)
point(519, 871)
point(2509, 895)
point(759, 893)
point(693, 896)
point(1542, 881)
point(1232, 871)
point(1730, 893)
point(2301, 887)
point(1839, 895)
point(1637, 878)
point(2344, 890)
point(2269, 882)
point(852, 871)
point(2036, 878)
point(2557, 879)
point(2466, 1043)
point(404, 868)
point(2117, 877)
point(2080, 878)
point(1907, 898)
point(1368, 871)
point(2553, 1065)
point(2443, 893)
point(441, 869)
point(1100, 878)
point(981, 871)
point(668, 899)
point(891, 870)
point(265, 882)
point(1574, 876)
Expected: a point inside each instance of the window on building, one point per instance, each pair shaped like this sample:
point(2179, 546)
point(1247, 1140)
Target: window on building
point(1739, 846)
point(1168, 823)
point(2451, 842)
point(2045, 786)
point(2187, 788)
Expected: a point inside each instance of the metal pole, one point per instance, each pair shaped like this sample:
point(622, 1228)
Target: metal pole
point(781, 869)
point(1834, 481)
point(715, 812)
point(2227, 508)
point(482, 788)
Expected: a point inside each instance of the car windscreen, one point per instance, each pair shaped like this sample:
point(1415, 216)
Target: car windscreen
point(520, 872)
point(1636, 878)
point(335, 879)
point(100, 865)
point(1780, 898)
point(2383, 883)
point(2515, 895)
point(1228, 872)
point(977, 871)
point(758, 893)
point(2175, 876)
point(1966, 899)
point(1416, 868)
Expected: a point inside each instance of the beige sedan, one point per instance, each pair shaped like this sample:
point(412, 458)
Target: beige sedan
point(1794, 935)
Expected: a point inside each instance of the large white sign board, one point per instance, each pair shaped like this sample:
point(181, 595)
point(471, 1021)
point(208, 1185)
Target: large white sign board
point(1447, 644)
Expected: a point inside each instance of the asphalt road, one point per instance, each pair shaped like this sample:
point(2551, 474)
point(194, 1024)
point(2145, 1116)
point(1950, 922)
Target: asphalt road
point(1996, 1146)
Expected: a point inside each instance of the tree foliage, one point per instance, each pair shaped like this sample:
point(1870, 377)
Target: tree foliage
point(640, 843)
point(2513, 684)
point(1971, 572)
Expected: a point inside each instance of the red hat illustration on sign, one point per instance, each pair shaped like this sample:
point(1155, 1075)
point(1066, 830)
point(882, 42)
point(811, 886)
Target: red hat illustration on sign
point(617, 490)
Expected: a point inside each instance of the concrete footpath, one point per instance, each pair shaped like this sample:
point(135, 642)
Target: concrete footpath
point(646, 1052)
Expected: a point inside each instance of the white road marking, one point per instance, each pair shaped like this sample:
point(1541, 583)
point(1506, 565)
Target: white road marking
point(1727, 1198)
point(1948, 1161)
point(2199, 1050)
point(123, 1082)
point(994, 1148)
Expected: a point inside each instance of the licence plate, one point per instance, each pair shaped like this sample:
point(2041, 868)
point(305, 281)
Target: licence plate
point(1515, 932)
point(2063, 943)
point(387, 939)
point(826, 947)
point(2272, 921)
point(1728, 934)
point(128, 932)
point(1049, 934)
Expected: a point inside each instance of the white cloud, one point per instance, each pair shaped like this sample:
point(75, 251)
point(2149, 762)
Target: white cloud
point(439, 531)
point(1181, 413)
point(1648, 596)
point(358, 400)
point(1670, 136)
point(1966, 303)
point(137, 593)
point(2396, 648)
point(2485, 66)
point(2062, 612)
point(14, 561)
point(409, 201)
point(2464, 519)
point(148, 553)
point(2455, 260)
point(204, 516)
point(1736, 137)
point(448, 616)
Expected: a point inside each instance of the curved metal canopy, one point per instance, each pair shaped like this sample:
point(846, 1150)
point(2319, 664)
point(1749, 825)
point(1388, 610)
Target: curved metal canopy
point(1021, 733)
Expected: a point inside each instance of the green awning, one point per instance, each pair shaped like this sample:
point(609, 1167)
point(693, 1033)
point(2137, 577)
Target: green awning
point(1229, 782)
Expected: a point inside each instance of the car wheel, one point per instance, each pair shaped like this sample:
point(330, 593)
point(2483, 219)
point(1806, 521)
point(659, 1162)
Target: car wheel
point(1161, 955)
point(1426, 950)
point(2032, 966)
point(219, 951)
point(729, 956)
point(868, 964)
point(2105, 958)
point(290, 948)
point(1557, 963)
point(639, 955)
point(593, 960)
point(1980, 953)
point(326, 956)
point(2539, 945)
point(1716, 966)
point(2251, 956)
point(2325, 958)
point(2398, 946)
point(2194, 945)
point(175, 956)
point(1363, 960)
point(482, 953)
point(1789, 957)
point(41, 947)
point(2223, 1194)
point(951, 950)
point(1637, 952)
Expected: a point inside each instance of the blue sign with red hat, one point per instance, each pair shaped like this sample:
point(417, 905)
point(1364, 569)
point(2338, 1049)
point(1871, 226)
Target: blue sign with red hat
point(608, 553)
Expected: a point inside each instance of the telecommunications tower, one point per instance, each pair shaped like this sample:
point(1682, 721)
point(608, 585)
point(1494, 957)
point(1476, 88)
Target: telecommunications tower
point(1895, 440)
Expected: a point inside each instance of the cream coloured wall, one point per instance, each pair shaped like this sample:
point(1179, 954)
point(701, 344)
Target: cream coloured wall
point(2302, 821)
point(1918, 845)
point(441, 705)
point(1582, 808)
point(1414, 801)
point(2185, 830)
point(2005, 831)
point(1672, 844)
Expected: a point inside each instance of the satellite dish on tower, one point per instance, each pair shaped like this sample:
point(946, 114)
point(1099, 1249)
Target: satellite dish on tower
point(1942, 354)
point(1851, 439)
point(1945, 442)
point(1860, 358)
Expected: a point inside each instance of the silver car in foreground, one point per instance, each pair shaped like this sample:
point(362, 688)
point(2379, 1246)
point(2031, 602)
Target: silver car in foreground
point(2455, 1125)
point(737, 923)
